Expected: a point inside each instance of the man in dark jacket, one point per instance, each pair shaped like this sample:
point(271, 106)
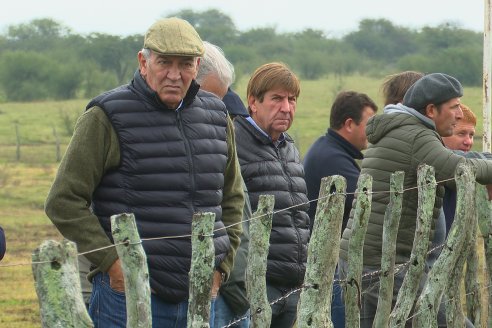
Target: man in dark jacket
point(162, 149)
point(270, 164)
point(336, 153)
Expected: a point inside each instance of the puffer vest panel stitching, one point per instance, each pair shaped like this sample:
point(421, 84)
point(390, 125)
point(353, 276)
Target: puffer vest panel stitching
point(277, 172)
point(162, 184)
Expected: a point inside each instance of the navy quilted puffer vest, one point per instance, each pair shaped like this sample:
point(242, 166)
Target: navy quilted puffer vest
point(172, 165)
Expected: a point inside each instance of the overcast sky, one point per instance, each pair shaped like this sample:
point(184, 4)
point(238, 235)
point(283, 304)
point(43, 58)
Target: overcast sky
point(335, 18)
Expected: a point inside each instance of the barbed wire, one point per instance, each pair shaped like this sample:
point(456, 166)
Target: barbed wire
point(371, 274)
point(231, 225)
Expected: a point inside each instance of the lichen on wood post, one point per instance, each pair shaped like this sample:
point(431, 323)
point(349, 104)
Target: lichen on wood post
point(57, 285)
point(315, 299)
point(426, 183)
point(135, 270)
point(473, 281)
point(355, 251)
point(484, 214)
point(259, 244)
point(390, 232)
point(201, 271)
point(428, 303)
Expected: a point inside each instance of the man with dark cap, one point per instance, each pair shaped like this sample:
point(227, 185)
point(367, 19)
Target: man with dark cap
point(162, 149)
point(403, 137)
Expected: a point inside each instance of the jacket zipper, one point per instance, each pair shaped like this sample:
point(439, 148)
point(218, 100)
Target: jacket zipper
point(189, 157)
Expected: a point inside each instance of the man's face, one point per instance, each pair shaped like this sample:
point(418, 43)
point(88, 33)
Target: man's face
point(446, 117)
point(359, 137)
point(169, 76)
point(275, 113)
point(462, 138)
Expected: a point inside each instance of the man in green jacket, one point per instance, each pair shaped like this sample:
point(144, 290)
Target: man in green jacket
point(403, 137)
point(162, 149)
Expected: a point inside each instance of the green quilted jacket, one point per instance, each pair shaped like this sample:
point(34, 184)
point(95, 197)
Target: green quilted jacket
point(400, 140)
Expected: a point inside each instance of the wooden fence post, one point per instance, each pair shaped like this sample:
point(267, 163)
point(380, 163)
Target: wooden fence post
point(426, 183)
point(202, 270)
point(135, 270)
point(58, 285)
point(259, 243)
point(390, 231)
point(355, 251)
point(484, 213)
point(455, 318)
point(315, 300)
point(472, 280)
point(428, 303)
point(17, 143)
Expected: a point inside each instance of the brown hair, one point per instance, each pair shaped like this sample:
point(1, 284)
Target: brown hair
point(468, 115)
point(396, 85)
point(349, 104)
point(270, 76)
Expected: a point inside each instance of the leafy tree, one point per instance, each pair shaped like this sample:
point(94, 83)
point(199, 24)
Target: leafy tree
point(212, 25)
point(381, 40)
point(114, 53)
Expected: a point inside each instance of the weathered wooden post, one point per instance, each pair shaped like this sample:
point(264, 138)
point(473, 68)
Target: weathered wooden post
point(390, 231)
point(259, 243)
point(201, 271)
point(484, 213)
point(428, 303)
point(426, 183)
point(135, 270)
point(17, 143)
point(454, 310)
point(56, 277)
point(355, 253)
point(472, 281)
point(315, 301)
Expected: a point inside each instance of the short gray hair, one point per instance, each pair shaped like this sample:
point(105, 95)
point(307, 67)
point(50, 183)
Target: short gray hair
point(214, 62)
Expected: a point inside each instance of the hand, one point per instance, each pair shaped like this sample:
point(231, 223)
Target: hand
point(217, 281)
point(489, 190)
point(116, 280)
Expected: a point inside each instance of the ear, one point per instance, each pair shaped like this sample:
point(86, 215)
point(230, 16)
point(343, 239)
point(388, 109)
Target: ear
point(348, 125)
point(430, 111)
point(252, 104)
point(197, 66)
point(142, 63)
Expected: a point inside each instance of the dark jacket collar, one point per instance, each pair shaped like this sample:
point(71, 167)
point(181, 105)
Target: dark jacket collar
point(342, 142)
point(140, 85)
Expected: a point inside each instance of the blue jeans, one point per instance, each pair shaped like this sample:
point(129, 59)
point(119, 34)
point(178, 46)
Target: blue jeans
point(108, 308)
point(284, 313)
point(224, 315)
point(337, 306)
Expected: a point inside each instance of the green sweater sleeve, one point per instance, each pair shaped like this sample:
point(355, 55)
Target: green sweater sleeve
point(233, 200)
point(93, 150)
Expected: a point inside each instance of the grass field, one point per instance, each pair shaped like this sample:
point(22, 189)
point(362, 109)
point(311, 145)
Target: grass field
point(24, 183)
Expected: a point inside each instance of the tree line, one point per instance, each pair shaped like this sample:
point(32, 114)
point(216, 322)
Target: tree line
point(43, 59)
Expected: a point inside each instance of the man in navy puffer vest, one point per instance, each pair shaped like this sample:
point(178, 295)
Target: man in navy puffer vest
point(270, 164)
point(162, 149)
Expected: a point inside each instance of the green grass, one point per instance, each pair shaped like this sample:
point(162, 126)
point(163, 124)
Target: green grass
point(24, 184)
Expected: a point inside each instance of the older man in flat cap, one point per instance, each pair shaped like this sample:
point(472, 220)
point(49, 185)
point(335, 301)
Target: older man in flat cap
point(403, 137)
point(162, 149)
